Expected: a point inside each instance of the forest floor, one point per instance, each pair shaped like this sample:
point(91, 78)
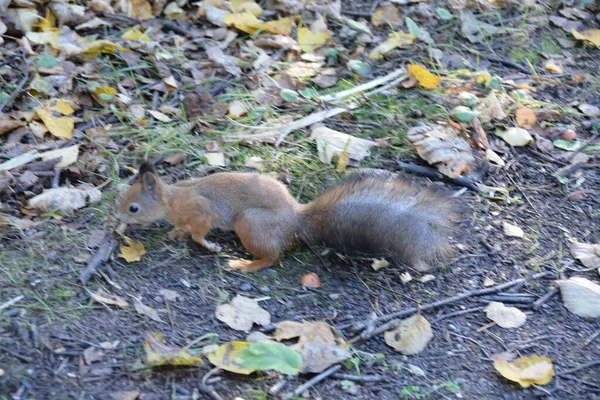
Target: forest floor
point(58, 343)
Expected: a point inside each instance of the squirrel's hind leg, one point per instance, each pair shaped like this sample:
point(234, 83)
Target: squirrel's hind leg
point(260, 231)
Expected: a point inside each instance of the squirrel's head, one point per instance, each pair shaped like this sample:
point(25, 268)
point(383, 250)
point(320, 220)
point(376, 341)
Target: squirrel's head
point(144, 201)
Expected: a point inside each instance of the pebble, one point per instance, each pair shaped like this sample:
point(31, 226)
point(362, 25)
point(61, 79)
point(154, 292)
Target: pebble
point(264, 290)
point(334, 296)
point(353, 390)
point(245, 287)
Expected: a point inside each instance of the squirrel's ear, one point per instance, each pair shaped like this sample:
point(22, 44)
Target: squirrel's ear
point(149, 179)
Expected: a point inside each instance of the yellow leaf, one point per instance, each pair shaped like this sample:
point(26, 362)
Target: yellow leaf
point(58, 126)
point(395, 40)
point(103, 90)
point(136, 35)
point(425, 78)
point(97, 47)
point(60, 106)
point(225, 357)
point(526, 371)
point(158, 353)
point(589, 35)
point(133, 251)
point(240, 6)
point(139, 9)
point(245, 22)
point(281, 26)
point(310, 41)
point(50, 38)
point(386, 15)
point(525, 118)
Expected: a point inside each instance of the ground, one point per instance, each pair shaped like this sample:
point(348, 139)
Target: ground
point(44, 335)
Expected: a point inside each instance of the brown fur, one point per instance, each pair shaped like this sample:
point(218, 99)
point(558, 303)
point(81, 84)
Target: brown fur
point(371, 213)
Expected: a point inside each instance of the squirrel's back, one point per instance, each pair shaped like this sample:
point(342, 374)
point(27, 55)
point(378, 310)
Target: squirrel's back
point(376, 213)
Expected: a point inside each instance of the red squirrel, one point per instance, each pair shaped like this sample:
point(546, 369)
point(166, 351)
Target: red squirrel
point(371, 213)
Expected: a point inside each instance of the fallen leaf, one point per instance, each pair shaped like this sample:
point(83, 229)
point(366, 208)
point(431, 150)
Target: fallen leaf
point(332, 143)
point(379, 264)
point(512, 230)
point(526, 371)
point(102, 296)
point(588, 254)
point(310, 41)
point(58, 126)
point(516, 136)
point(526, 118)
point(248, 23)
point(68, 156)
point(240, 6)
point(317, 357)
point(425, 78)
point(150, 312)
point(488, 282)
point(505, 317)
point(242, 313)
point(104, 94)
point(590, 110)
point(307, 332)
point(226, 357)
point(93, 23)
point(136, 35)
point(63, 200)
point(589, 35)
point(7, 125)
point(237, 109)
point(581, 296)
point(216, 159)
point(265, 356)
point(170, 295)
point(158, 353)
point(395, 40)
point(159, 116)
point(405, 277)
point(553, 67)
point(92, 354)
point(441, 146)
point(175, 158)
point(464, 114)
point(125, 395)
point(411, 336)
point(474, 30)
point(386, 15)
point(137, 9)
point(494, 158)
point(133, 251)
point(311, 281)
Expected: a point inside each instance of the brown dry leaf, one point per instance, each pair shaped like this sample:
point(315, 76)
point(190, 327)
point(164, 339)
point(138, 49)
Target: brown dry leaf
point(133, 251)
point(386, 15)
point(589, 35)
point(526, 118)
point(588, 254)
point(137, 9)
point(147, 311)
point(7, 125)
point(307, 332)
point(175, 158)
point(170, 295)
point(237, 109)
point(553, 67)
point(411, 337)
point(425, 78)
point(309, 41)
point(332, 143)
point(92, 354)
point(158, 353)
point(242, 313)
point(311, 281)
point(102, 296)
point(505, 317)
point(317, 357)
point(526, 371)
point(442, 147)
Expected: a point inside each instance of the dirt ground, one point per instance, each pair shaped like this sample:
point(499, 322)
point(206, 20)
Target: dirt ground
point(44, 336)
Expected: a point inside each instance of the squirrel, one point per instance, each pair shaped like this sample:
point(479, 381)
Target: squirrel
point(371, 213)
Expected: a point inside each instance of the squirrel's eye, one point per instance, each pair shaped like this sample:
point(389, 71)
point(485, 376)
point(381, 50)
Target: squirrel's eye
point(134, 208)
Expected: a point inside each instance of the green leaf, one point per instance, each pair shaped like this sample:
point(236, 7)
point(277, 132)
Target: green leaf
point(413, 28)
point(270, 356)
point(46, 61)
point(444, 14)
point(360, 68)
point(566, 145)
point(3, 96)
point(289, 95)
point(464, 114)
point(346, 384)
point(106, 97)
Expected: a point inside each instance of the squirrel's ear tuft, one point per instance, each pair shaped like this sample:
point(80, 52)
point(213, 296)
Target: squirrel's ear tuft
point(146, 168)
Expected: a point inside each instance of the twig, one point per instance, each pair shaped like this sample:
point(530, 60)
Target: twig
point(508, 63)
point(481, 347)
point(358, 378)
point(591, 338)
point(106, 248)
point(584, 366)
point(19, 87)
point(400, 314)
point(56, 178)
point(434, 174)
point(583, 146)
point(313, 381)
point(207, 389)
point(16, 355)
point(336, 97)
point(456, 314)
point(538, 303)
point(11, 302)
point(279, 386)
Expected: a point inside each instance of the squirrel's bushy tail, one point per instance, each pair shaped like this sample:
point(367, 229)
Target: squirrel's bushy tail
point(376, 213)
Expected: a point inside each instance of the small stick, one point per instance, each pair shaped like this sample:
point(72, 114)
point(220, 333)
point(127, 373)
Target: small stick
point(56, 178)
point(357, 378)
point(509, 299)
point(434, 174)
point(16, 355)
point(400, 314)
point(313, 381)
point(106, 248)
point(333, 98)
point(11, 302)
point(583, 146)
point(279, 386)
point(209, 390)
point(538, 303)
point(456, 314)
point(19, 87)
point(584, 366)
point(508, 63)
point(591, 338)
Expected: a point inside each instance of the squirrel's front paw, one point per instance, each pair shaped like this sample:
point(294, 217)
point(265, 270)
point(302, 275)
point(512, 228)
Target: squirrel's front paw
point(178, 234)
point(215, 248)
